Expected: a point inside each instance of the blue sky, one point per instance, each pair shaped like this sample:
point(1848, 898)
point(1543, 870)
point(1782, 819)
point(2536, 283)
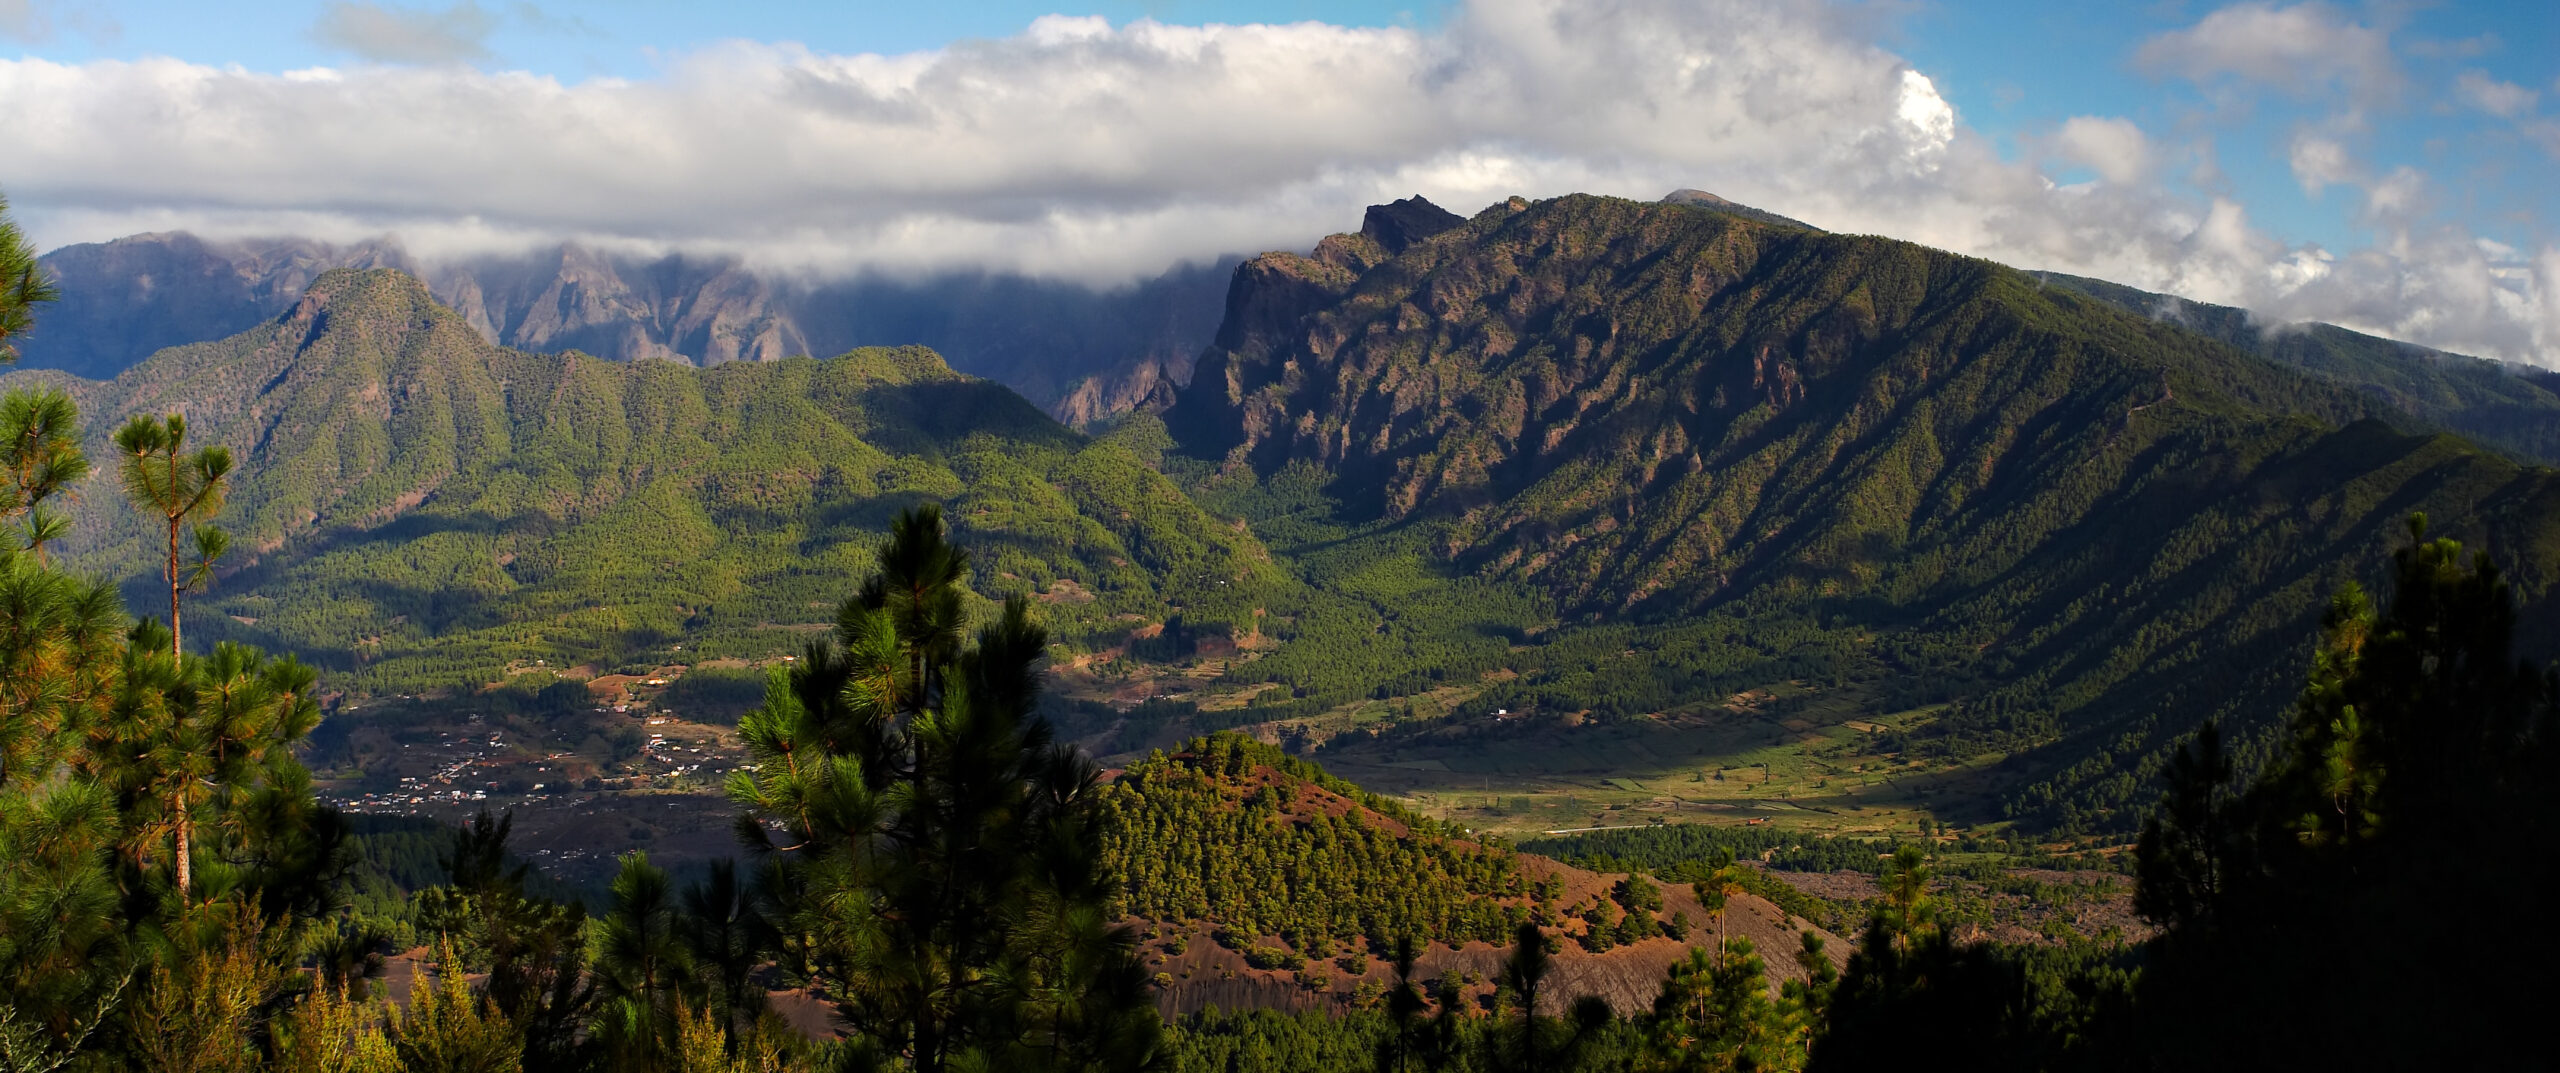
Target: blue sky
point(2011, 66)
point(2307, 159)
point(577, 38)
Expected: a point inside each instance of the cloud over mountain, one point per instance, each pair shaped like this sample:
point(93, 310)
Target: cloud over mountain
point(1079, 149)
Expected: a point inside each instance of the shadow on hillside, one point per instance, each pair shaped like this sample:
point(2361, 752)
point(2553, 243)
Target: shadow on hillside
point(926, 419)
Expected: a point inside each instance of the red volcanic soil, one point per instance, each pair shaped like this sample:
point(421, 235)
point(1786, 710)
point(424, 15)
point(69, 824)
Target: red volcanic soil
point(1206, 974)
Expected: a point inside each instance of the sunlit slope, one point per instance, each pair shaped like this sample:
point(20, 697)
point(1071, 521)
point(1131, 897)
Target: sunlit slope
point(424, 508)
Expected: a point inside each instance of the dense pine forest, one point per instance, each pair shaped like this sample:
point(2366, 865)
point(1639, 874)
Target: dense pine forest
point(929, 875)
point(1238, 833)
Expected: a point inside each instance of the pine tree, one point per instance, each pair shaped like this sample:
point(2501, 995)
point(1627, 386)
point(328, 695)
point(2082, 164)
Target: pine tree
point(23, 285)
point(2185, 843)
point(1714, 1013)
point(58, 657)
point(535, 948)
point(40, 457)
point(1907, 915)
point(1524, 977)
point(210, 735)
point(1404, 1011)
point(63, 954)
point(1807, 1002)
point(1715, 893)
point(644, 970)
point(175, 486)
point(2410, 800)
point(943, 867)
point(727, 936)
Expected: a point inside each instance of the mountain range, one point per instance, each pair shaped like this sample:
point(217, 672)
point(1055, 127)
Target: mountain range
point(1745, 450)
point(417, 507)
point(1081, 352)
point(1085, 354)
point(1587, 459)
point(2507, 407)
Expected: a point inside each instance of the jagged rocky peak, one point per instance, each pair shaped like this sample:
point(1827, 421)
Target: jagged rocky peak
point(1397, 225)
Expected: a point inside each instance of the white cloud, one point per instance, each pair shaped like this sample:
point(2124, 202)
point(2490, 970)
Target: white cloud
point(2506, 100)
point(1929, 121)
point(2114, 148)
point(2306, 49)
point(2396, 200)
point(1082, 150)
point(1073, 148)
point(390, 33)
point(2320, 162)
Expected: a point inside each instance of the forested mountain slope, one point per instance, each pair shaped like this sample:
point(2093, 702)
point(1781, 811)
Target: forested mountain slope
point(2088, 529)
point(420, 507)
point(2514, 408)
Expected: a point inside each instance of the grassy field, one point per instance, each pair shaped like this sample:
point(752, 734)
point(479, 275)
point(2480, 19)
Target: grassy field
point(1812, 770)
point(1787, 754)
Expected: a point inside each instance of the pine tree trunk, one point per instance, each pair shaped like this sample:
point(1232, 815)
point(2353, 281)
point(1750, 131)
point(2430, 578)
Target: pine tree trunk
point(186, 847)
point(177, 652)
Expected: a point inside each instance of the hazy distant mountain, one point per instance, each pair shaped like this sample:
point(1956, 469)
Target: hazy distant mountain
point(1082, 353)
point(125, 299)
point(2515, 408)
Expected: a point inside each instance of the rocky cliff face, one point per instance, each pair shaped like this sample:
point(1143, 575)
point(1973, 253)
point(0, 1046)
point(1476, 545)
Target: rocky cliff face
point(1656, 413)
point(1085, 354)
point(695, 310)
point(124, 299)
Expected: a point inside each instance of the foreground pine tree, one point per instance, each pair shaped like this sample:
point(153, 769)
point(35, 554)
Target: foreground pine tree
point(936, 856)
point(163, 863)
point(2378, 896)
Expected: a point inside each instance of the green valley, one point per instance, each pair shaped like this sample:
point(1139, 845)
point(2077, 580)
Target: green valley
point(590, 537)
point(1575, 512)
point(1685, 725)
point(420, 510)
